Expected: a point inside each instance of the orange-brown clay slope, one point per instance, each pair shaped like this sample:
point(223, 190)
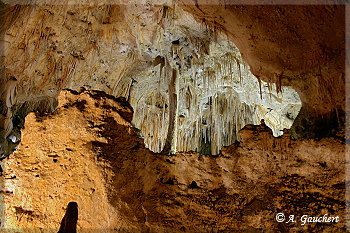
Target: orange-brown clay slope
point(88, 152)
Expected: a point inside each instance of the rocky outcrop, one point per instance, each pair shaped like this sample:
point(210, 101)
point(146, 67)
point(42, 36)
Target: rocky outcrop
point(88, 152)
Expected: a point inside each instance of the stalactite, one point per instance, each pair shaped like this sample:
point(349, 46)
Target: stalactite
point(259, 80)
point(129, 62)
point(200, 108)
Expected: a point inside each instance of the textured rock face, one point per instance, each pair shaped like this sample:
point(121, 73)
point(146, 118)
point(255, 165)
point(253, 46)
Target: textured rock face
point(177, 73)
point(89, 153)
point(302, 46)
point(216, 96)
point(134, 50)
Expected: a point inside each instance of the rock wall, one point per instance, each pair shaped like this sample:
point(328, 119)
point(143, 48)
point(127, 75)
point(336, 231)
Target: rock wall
point(82, 146)
point(302, 46)
point(130, 50)
point(89, 153)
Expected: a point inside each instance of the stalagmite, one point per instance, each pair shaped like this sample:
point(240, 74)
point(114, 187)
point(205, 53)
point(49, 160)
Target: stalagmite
point(172, 113)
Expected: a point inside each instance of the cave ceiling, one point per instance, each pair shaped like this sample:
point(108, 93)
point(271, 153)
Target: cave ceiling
point(224, 65)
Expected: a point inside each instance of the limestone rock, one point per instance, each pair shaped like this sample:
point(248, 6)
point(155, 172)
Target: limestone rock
point(128, 50)
point(87, 153)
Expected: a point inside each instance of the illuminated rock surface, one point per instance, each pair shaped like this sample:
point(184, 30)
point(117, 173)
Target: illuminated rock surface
point(88, 152)
point(130, 50)
point(183, 86)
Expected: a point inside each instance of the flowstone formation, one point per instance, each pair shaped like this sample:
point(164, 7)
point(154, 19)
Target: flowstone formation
point(216, 96)
point(301, 46)
point(188, 85)
point(197, 92)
